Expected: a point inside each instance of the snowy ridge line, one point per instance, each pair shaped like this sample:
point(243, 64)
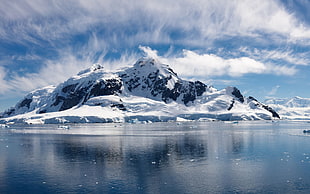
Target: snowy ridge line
point(149, 91)
point(296, 108)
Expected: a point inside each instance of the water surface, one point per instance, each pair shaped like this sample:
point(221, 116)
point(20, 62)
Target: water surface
point(193, 157)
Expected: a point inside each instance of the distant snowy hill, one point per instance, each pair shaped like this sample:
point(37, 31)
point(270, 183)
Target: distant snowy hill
point(146, 92)
point(291, 108)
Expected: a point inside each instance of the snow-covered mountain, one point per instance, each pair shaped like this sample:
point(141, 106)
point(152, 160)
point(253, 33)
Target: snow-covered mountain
point(148, 91)
point(291, 108)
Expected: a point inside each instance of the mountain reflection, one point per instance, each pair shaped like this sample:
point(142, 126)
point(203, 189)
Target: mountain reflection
point(237, 143)
point(158, 158)
point(153, 150)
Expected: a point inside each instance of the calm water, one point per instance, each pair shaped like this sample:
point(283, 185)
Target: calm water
point(210, 157)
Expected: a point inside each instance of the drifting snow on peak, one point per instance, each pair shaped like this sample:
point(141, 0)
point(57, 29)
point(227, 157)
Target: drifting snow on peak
point(146, 60)
point(149, 62)
point(146, 65)
point(149, 90)
point(93, 68)
point(96, 66)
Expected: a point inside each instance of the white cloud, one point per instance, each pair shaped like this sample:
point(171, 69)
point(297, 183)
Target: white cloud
point(192, 64)
point(53, 73)
point(211, 65)
point(281, 70)
point(3, 83)
point(117, 24)
point(274, 90)
point(286, 55)
point(59, 70)
point(197, 22)
point(148, 51)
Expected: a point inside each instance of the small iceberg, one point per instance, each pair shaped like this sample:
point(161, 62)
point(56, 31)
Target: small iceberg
point(4, 126)
point(66, 127)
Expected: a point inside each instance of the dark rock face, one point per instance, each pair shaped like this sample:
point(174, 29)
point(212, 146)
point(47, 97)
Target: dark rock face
point(238, 94)
point(73, 95)
point(231, 105)
point(26, 102)
point(9, 112)
point(105, 87)
point(69, 88)
point(274, 113)
point(156, 85)
point(200, 88)
point(252, 98)
point(192, 90)
point(172, 94)
point(119, 106)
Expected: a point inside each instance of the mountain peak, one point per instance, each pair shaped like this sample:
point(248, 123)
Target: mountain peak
point(94, 67)
point(146, 61)
point(148, 88)
point(150, 64)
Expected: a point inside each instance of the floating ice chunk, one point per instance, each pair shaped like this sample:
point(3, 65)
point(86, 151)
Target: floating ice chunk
point(66, 127)
point(4, 126)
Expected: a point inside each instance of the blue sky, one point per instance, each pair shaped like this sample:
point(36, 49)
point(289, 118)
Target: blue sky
point(260, 46)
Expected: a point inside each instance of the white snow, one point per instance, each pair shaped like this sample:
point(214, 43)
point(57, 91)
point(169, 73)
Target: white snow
point(145, 109)
point(138, 104)
point(296, 108)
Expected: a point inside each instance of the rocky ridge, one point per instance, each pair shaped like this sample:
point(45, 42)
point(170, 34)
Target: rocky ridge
point(149, 91)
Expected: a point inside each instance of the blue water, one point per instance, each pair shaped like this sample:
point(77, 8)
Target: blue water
point(194, 157)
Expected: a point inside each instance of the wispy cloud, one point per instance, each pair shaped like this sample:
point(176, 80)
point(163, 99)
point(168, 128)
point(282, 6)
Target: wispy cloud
point(66, 36)
point(185, 22)
point(285, 55)
point(210, 65)
point(49, 26)
point(3, 83)
point(56, 71)
point(274, 90)
point(189, 64)
point(192, 63)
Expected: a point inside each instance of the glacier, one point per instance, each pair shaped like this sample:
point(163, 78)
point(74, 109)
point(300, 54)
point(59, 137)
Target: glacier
point(148, 91)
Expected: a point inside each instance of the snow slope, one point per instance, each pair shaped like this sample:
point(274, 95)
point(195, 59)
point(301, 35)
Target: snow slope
point(148, 91)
